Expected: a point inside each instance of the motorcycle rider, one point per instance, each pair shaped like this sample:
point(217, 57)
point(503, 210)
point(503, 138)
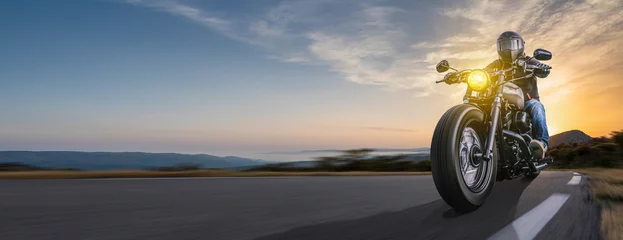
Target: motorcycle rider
point(510, 47)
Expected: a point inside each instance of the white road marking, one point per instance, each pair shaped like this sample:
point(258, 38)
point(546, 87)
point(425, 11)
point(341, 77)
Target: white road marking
point(575, 180)
point(576, 174)
point(530, 224)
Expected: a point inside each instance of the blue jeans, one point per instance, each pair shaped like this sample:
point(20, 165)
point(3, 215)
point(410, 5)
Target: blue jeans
point(539, 124)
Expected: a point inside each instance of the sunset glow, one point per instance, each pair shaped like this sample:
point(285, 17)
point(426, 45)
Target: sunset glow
point(258, 76)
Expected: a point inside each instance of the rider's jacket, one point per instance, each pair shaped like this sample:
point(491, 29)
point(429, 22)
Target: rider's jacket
point(527, 85)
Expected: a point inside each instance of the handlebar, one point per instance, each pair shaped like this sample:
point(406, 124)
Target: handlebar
point(539, 66)
point(519, 63)
point(524, 64)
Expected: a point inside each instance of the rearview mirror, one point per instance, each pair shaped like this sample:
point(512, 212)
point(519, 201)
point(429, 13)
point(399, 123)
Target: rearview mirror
point(442, 66)
point(542, 54)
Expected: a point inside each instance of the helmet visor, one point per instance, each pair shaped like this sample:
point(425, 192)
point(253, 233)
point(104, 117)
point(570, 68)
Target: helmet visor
point(510, 44)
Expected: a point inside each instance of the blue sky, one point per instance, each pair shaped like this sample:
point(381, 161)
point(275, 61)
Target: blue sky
point(245, 77)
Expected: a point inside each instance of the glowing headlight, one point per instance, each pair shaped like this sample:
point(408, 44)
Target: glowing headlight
point(478, 80)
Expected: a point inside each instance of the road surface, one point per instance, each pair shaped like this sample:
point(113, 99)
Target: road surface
point(554, 206)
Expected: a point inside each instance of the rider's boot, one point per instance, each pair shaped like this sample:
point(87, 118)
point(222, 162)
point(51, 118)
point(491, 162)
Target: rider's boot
point(538, 149)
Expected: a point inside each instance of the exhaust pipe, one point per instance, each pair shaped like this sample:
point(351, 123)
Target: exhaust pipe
point(535, 168)
point(540, 167)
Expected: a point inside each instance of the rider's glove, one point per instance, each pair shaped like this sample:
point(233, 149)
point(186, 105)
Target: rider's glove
point(541, 73)
point(542, 70)
point(451, 78)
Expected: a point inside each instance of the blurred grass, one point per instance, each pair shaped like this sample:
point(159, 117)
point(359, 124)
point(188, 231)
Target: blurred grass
point(609, 175)
point(612, 222)
point(607, 191)
point(173, 174)
point(607, 187)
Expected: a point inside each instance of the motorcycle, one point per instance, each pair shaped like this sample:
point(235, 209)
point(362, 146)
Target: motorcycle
point(485, 139)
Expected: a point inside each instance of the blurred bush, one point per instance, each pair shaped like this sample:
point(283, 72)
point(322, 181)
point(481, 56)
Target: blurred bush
point(12, 167)
point(355, 160)
point(180, 167)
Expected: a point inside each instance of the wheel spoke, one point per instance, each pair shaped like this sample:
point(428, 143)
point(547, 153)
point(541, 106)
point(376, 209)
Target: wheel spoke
point(472, 173)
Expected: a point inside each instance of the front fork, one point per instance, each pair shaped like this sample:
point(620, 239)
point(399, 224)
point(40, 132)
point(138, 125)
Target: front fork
point(495, 116)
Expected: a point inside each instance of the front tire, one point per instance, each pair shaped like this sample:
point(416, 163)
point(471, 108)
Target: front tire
point(462, 180)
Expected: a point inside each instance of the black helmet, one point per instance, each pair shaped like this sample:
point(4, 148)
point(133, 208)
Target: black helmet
point(510, 46)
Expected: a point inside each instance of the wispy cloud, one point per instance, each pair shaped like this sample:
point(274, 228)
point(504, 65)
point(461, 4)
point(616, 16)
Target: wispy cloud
point(585, 36)
point(384, 45)
point(177, 8)
point(361, 42)
point(378, 53)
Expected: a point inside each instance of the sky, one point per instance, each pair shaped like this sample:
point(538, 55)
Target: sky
point(249, 77)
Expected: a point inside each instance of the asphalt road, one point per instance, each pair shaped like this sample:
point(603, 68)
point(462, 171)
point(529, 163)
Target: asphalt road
point(391, 207)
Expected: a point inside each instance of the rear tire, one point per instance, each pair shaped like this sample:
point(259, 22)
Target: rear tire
point(462, 180)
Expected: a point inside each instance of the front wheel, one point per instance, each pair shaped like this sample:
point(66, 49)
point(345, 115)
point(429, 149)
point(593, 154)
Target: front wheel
point(462, 179)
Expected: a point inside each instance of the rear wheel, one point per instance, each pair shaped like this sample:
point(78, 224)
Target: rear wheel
point(462, 178)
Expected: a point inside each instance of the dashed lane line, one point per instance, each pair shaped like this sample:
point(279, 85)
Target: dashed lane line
point(530, 224)
point(575, 180)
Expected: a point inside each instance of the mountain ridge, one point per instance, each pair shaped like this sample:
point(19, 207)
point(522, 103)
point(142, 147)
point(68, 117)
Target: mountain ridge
point(569, 137)
point(121, 160)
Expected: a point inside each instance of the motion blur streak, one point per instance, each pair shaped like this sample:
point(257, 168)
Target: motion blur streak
point(392, 207)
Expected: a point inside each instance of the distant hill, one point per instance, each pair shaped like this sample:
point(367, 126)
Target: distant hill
point(121, 160)
point(569, 137)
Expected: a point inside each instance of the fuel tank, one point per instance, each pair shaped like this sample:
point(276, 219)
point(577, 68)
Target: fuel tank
point(514, 95)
